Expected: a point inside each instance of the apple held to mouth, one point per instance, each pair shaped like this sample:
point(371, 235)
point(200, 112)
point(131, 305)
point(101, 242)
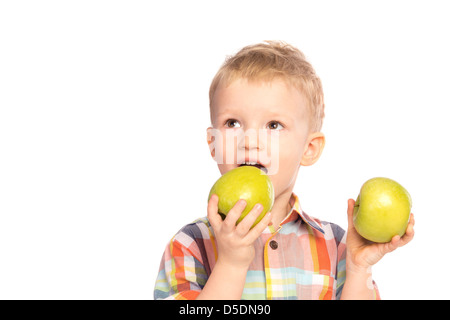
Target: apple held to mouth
point(382, 210)
point(245, 182)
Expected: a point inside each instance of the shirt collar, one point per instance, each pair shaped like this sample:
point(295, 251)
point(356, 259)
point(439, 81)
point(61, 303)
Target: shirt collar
point(296, 212)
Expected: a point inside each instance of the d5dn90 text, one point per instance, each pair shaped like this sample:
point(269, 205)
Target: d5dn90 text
point(246, 309)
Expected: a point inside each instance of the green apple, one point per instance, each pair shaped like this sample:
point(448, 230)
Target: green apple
point(245, 182)
point(382, 210)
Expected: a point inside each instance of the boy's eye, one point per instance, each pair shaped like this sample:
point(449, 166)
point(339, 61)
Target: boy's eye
point(232, 123)
point(275, 125)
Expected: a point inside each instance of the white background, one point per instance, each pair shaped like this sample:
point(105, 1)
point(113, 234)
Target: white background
point(103, 117)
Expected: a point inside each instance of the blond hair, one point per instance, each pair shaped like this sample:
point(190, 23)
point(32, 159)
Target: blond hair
point(271, 60)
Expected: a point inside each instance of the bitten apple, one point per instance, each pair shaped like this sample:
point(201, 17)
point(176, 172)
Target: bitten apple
point(246, 182)
point(382, 210)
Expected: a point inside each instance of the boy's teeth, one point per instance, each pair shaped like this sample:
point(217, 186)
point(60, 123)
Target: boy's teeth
point(246, 163)
point(250, 163)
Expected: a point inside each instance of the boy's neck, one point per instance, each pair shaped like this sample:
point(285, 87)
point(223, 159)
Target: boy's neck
point(281, 207)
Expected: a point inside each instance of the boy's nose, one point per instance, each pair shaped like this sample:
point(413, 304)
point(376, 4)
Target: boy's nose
point(250, 139)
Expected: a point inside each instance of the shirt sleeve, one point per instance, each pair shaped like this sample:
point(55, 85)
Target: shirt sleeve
point(181, 275)
point(341, 272)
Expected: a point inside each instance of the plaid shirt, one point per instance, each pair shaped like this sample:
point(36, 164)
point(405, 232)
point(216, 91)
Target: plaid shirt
point(303, 259)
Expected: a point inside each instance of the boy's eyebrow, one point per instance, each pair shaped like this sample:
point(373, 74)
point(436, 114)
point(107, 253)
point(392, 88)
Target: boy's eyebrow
point(284, 118)
point(223, 112)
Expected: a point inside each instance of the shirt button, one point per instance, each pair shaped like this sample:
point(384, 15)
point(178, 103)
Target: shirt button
point(273, 244)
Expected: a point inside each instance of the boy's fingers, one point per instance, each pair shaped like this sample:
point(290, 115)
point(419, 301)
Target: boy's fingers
point(254, 233)
point(246, 223)
point(412, 221)
point(233, 215)
point(409, 234)
point(410, 227)
point(213, 215)
point(407, 238)
point(392, 245)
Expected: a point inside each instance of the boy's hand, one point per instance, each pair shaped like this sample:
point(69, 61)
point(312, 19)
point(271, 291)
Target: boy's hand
point(362, 253)
point(235, 243)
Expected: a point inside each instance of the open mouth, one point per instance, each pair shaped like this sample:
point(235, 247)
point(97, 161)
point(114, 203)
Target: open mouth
point(254, 164)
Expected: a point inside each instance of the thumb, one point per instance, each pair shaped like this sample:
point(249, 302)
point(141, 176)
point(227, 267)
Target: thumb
point(351, 206)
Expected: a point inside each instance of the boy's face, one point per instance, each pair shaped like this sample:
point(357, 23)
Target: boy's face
point(263, 122)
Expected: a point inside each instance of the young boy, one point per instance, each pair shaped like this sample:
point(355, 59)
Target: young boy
point(269, 88)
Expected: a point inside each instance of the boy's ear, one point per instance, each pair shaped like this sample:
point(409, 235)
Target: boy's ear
point(210, 140)
point(313, 149)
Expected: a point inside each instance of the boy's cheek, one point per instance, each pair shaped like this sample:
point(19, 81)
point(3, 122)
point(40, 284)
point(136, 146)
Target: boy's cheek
point(223, 146)
point(225, 156)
